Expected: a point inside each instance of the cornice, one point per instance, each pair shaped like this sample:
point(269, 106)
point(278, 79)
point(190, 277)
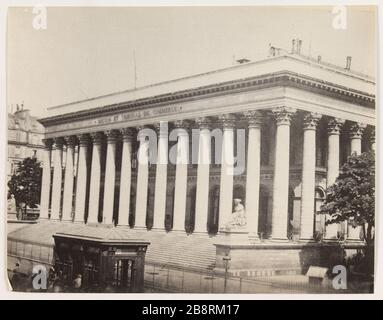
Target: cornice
point(284, 78)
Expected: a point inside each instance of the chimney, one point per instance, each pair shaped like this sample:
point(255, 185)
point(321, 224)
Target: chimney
point(293, 46)
point(319, 59)
point(299, 45)
point(272, 51)
point(348, 63)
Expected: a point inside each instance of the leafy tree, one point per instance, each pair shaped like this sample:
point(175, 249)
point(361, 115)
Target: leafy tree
point(25, 184)
point(352, 197)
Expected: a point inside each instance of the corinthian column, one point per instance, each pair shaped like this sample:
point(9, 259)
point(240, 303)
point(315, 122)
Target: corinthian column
point(310, 123)
point(356, 132)
point(161, 177)
point(253, 171)
point(142, 180)
point(333, 128)
point(79, 215)
point(69, 176)
point(372, 139)
point(95, 177)
point(46, 180)
point(227, 170)
point(202, 190)
point(110, 176)
point(126, 177)
point(57, 178)
point(281, 173)
point(180, 187)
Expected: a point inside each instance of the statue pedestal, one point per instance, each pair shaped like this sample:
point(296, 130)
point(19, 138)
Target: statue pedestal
point(238, 235)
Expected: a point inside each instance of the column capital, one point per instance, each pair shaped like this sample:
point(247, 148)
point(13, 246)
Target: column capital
point(127, 134)
point(182, 127)
point(70, 141)
point(254, 118)
point(334, 125)
point(311, 120)
point(227, 120)
point(97, 137)
point(83, 139)
point(141, 135)
point(160, 126)
point(48, 143)
point(283, 115)
point(112, 135)
point(356, 130)
point(203, 122)
point(58, 142)
point(181, 124)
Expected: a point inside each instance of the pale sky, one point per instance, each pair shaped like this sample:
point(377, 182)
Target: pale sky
point(87, 52)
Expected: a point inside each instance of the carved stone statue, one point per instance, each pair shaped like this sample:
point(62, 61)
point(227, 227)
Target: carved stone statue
point(238, 217)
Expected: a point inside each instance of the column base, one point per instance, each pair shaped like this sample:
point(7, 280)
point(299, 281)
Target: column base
point(140, 228)
point(126, 226)
point(78, 222)
point(158, 229)
point(283, 240)
point(306, 240)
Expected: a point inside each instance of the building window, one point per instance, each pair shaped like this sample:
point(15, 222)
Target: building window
point(320, 219)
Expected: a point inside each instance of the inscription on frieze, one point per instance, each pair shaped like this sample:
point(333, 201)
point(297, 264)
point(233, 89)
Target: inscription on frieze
point(125, 116)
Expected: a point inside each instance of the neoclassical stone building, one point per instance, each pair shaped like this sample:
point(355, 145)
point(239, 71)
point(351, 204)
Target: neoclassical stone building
point(302, 118)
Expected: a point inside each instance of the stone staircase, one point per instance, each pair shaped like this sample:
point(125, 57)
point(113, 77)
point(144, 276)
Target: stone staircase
point(194, 252)
point(168, 249)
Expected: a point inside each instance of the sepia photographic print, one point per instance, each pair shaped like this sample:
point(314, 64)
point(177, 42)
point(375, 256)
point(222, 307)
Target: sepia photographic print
point(191, 149)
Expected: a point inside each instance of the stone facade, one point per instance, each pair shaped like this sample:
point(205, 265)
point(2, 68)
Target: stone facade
point(301, 119)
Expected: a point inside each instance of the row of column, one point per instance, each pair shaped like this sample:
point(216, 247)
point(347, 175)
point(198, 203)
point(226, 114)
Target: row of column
point(282, 116)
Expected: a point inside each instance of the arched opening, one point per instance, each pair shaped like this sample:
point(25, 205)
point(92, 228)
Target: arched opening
point(132, 206)
point(169, 207)
point(264, 228)
point(319, 219)
point(150, 206)
point(212, 223)
point(190, 210)
point(290, 221)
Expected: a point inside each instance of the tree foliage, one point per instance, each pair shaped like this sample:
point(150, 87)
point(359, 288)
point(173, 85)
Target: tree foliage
point(352, 197)
point(25, 183)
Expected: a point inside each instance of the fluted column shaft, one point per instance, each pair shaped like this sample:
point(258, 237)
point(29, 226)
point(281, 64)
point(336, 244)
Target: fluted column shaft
point(180, 184)
point(68, 180)
point(281, 173)
point(161, 177)
point(110, 177)
point(79, 215)
point(57, 178)
point(356, 132)
point(310, 123)
point(46, 180)
point(126, 177)
point(333, 128)
point(253, 171)
point(203, 171)
point(95, 177)
point(142, 181)
point(227, 170)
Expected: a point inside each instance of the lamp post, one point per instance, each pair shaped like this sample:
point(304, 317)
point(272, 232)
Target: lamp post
point(226, 260)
